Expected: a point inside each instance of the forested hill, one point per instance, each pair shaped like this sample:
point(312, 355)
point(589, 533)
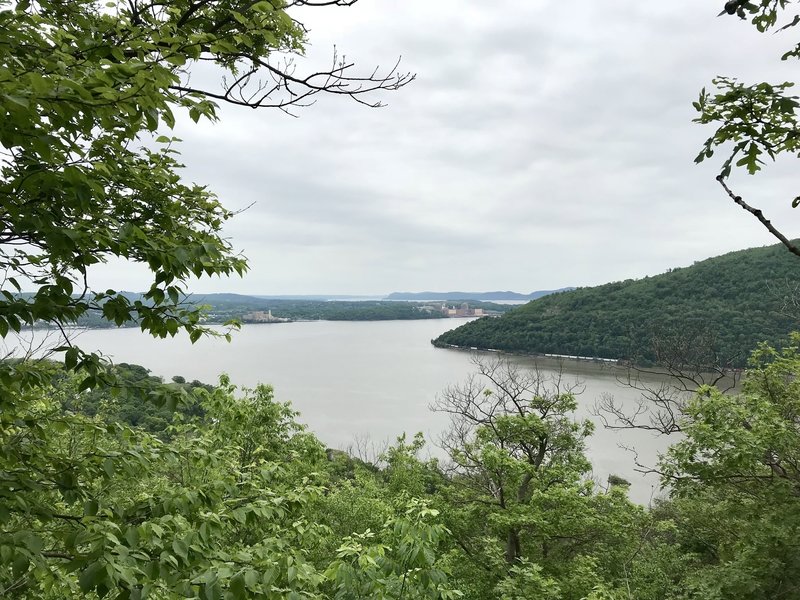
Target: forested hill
point(721, 308)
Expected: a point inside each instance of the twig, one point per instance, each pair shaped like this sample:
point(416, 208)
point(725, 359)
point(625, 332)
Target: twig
point(760, 216)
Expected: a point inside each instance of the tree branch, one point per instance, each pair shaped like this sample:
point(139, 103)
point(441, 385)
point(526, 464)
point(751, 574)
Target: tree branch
point(756, 212)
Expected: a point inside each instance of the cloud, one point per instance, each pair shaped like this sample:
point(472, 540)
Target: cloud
point(543, 144)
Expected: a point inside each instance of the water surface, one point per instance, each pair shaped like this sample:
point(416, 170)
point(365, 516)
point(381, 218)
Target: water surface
point(367, 379)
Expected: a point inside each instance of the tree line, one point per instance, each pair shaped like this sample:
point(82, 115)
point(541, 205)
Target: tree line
point(721, 308)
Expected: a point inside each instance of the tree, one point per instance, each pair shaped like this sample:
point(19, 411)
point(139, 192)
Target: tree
point(513, 438)
point(687, 360)
point(753, 121)
point(735, 480)
point(89, 172)
point(226, 508)
point(524, 515)
point(87, 91)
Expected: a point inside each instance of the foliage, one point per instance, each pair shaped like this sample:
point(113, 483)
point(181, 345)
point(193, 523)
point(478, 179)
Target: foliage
point(91, 504)
point(758, 119)
point(220, 510)
point(87, 89)
point(135, 400)
point(526, 520)
point(753, 121)
point(737, 475)
point(717, 311)
point(236, 499)
point(80, 86)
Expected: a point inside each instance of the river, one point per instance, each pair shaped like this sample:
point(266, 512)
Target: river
point(369, 380)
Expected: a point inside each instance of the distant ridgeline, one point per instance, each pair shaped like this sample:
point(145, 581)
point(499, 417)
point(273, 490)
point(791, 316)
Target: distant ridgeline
point(254, 309)
point(483, 296)
point(714, 312)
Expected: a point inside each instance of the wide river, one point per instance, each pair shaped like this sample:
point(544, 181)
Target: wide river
point(369, 380)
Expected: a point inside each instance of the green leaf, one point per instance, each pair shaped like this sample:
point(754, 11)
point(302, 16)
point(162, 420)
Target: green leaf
point(71, 358)
point(181, 549)
point(90, 508)
point(237, 586)
point(91, 577)
point(20, 564)
point(252, 580)
point(87, 383)
point(176, 59)
point(212, 591)
point(132, 536)
point(18, 100)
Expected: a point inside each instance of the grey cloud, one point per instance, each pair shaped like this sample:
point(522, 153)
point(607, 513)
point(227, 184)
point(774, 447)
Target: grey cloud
point(543, 144)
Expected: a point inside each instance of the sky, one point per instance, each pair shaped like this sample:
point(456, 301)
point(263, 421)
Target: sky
point(542, 145)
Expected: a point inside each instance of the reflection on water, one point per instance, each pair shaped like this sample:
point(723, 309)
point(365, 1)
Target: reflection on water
point(375, 379)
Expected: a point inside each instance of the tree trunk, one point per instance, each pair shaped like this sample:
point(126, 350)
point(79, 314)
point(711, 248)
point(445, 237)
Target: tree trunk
point(512, 546)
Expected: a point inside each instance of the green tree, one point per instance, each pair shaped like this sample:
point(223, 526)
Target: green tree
point(224, 509)
point(753, 121)
point(88, 93)
point(525, 518)
point(89, 172)
point(736, 482)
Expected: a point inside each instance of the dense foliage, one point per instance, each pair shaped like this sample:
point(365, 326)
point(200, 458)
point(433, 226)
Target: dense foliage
point(135, 388)
point(717, 310)
point(238, 500)
point(229, 504)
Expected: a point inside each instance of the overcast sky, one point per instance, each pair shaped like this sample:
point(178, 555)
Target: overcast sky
point(542, 145)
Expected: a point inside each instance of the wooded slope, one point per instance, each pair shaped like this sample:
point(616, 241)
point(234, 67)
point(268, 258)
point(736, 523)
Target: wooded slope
point(721, 308)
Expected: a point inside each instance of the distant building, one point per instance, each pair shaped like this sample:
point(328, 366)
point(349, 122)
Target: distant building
point(260, 316)
point(463, 311)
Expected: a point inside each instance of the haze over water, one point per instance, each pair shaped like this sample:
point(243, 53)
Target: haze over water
point(376, 379)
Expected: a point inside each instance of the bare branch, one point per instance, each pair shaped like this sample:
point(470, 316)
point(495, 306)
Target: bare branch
point(281, 87)
point(758, 214)
point(321, 3)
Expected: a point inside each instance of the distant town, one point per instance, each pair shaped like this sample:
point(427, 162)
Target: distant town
point(464, 310)
point(261, 316)
point(430, 310)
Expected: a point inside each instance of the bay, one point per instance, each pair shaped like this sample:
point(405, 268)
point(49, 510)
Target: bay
point(363, 383)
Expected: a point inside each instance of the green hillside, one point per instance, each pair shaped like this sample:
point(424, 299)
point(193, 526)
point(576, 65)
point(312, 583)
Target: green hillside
point(720, 307)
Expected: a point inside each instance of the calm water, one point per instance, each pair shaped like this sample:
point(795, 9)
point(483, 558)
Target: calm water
point(366, 379)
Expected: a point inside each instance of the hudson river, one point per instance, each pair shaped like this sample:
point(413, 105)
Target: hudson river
point(368, 379)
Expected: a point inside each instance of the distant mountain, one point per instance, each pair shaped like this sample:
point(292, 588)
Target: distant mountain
point(321, 297)
point(259, 309)
point(718, 310)
point(482, 296)
point(226, 300)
